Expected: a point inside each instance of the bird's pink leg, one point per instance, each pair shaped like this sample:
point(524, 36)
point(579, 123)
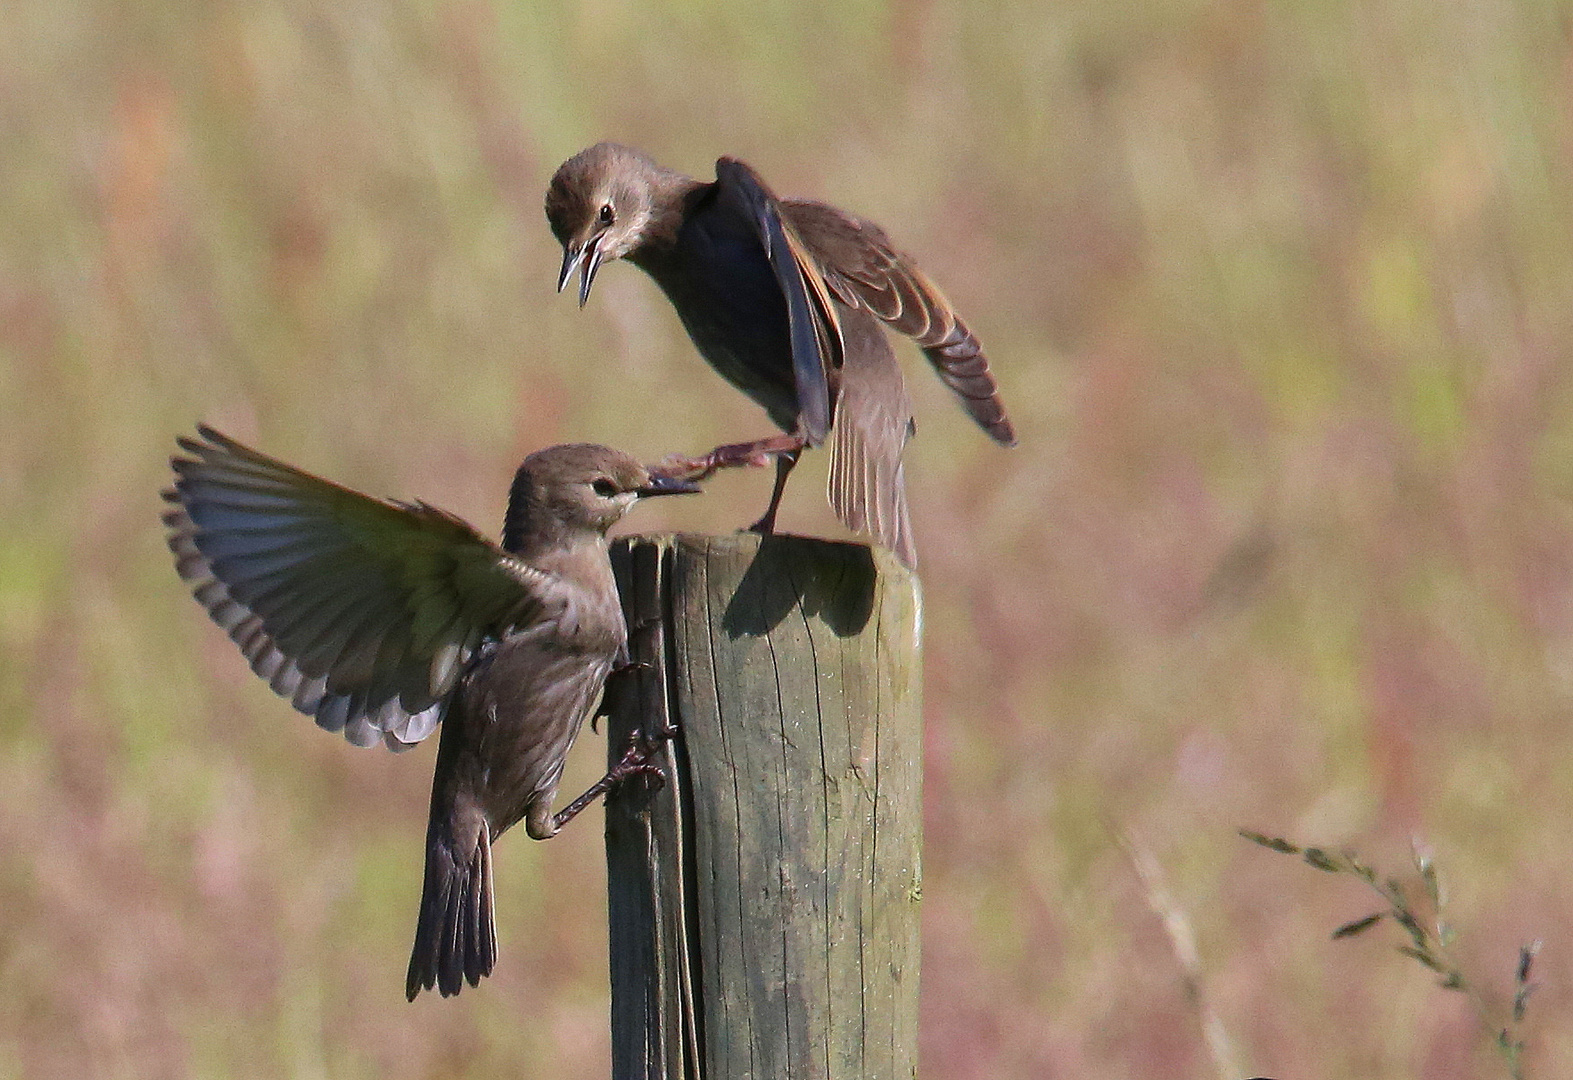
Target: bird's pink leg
point(786, 461)
point(634, 762)
point(733, 455)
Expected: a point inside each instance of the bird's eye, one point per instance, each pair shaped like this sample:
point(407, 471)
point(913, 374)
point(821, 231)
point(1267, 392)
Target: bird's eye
point(604, 488)
point(606, 214)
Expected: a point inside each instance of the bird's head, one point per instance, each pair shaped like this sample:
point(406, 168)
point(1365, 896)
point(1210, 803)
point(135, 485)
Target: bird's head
point(578, 488)
point(599, 205)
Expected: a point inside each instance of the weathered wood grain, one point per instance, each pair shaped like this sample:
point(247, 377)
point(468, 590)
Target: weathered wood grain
point(764, 903)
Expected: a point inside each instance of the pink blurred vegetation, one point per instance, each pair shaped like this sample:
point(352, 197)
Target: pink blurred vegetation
point(1280, 295)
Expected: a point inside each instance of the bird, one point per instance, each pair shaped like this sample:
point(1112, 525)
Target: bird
point(387, 620)
point(786, 299)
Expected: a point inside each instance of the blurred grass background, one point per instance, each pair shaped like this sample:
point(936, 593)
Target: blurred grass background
point(1280, 296)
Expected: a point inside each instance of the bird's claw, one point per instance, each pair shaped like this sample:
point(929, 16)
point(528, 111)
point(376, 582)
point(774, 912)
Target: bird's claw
point(653, 773)
point(636, 761)
point(618, 685)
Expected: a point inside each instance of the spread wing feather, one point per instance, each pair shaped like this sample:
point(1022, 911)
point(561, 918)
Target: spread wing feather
point(863, 269)
point(362, 612)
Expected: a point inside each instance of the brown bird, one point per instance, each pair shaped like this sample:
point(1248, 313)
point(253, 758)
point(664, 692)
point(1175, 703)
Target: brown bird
point(785, 299)
point(384, 619)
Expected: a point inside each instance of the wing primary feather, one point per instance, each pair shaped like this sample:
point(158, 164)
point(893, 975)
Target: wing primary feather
point(362, 612)
point(862, 269)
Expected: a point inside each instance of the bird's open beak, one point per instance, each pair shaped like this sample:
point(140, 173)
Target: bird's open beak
point(585, 258)
point(668, 485)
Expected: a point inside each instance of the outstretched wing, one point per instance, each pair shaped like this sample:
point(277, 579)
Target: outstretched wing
point(816, 331)
point(363, 612)
point(864, 270)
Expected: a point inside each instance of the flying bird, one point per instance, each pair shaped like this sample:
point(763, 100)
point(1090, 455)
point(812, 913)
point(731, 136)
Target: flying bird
point(387, 620)
point(785, 298)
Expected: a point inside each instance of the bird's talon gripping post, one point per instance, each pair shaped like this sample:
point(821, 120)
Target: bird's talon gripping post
point(621, 681)
point(634, 762)
point(666, 732)
point(636, 758)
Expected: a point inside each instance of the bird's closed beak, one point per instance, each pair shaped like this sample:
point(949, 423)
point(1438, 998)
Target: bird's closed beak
point(586, 258)
point(668, 485)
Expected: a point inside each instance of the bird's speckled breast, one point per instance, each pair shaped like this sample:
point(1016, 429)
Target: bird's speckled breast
point(525, 700)
point(523, 713)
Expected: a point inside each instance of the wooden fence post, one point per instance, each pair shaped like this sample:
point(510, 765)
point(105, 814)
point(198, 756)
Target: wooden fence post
point(764, 902)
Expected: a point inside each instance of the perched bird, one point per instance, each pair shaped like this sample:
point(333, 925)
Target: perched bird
point(387, 619)
point(785, 299)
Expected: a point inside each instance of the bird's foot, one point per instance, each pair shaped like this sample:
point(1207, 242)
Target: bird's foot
point(635, 762)
point(786, 461)
point(756, 454)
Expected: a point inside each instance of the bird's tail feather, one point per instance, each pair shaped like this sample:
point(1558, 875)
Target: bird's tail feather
point(455, 936)
point(868, 489)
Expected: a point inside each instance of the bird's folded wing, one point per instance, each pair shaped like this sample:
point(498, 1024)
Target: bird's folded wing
point(863, 269)
point(816, 331)
point(362, 612)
